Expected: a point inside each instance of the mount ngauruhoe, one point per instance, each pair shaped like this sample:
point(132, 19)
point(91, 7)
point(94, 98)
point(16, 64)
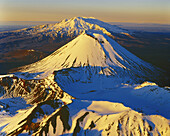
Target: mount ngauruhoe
point(89, 86)
point(96, 52)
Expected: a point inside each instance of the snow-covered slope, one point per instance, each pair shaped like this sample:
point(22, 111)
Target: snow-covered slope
point(84, 118)
point(85, 115)
point(90, 86)
point(147, 97)
point(77, 25)
point(95, 50)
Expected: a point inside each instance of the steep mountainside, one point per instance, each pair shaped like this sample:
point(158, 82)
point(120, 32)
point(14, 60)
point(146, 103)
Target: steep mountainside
point(84, 118)
point(90, 86)
point(97, 51)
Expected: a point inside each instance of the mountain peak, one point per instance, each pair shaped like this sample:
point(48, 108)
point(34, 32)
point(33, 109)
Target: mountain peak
point(82, 17)
point(77, 19)
point(94, 49)
point(78, 24)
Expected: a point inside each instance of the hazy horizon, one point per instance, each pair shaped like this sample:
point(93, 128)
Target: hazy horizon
point(44, 22)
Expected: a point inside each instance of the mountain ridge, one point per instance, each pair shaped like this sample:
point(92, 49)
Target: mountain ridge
point(89, 86)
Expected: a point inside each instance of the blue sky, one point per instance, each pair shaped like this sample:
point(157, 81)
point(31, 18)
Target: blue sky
point(140, 11)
